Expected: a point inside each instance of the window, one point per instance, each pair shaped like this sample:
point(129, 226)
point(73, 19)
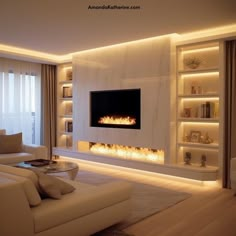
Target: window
point(20, 99)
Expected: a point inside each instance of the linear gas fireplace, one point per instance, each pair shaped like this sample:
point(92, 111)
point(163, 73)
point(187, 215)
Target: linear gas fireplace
point(128, 152)
point(116, 108)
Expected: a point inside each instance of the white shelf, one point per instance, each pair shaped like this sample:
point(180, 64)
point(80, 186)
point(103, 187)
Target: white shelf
point(66, 133)
point(179, 170)
point(65, 116)
point(198, 120)
point(66, 99)
point(203, 96)
point(199, 145)
point(198, 167)
point(200, 70)
point(65, 82)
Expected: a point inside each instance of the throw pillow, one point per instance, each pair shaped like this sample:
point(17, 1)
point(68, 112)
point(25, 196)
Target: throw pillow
point(51, 186)
point(11, 143)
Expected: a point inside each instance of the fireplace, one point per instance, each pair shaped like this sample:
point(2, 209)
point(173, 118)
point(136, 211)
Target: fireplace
point(128, 152)
point(116, 108)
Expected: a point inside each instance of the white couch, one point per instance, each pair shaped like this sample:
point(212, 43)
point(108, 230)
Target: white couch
point(29, 152)
point(85, 211)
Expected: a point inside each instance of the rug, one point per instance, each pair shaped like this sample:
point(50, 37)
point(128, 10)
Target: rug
point(146, 200)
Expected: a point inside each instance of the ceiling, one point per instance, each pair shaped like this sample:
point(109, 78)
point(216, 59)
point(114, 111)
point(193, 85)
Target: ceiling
point(66, 26)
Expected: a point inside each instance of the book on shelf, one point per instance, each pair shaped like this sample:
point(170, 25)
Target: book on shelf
point(209, 110)
point(67, 92)
point(69, 126)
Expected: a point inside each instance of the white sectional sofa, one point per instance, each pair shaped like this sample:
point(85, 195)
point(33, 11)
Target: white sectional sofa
point(86, 210)
point(28, 152)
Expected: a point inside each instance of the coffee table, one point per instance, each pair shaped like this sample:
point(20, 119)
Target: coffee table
point(70, 168)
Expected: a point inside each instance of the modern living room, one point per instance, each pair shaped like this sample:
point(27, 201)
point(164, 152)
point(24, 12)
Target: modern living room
point(130, 103)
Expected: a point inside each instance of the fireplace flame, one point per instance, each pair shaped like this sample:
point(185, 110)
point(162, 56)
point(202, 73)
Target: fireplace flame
point(117, 120)
point(129, 153)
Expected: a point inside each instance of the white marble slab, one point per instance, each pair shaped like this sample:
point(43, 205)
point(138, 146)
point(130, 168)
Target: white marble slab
point(145, 65)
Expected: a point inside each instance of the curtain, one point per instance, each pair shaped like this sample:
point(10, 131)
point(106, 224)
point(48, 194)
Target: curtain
point(230, 111)
point(49, 104)
point(20, 99)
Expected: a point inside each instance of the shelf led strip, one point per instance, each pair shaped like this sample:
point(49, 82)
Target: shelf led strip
point(206, 123)
point(201, 50)
point(197, 148)
point(203, 74)
point(67, 67)
point(66, 102)
point(201, 99)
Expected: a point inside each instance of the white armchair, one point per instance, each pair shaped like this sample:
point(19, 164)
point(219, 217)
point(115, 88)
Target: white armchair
point(28, 152)
point(233, 173)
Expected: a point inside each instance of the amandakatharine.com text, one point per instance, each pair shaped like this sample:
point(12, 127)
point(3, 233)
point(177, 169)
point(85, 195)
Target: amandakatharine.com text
point(113, 7)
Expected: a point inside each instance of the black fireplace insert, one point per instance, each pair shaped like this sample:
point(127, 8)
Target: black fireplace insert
point(116, 108)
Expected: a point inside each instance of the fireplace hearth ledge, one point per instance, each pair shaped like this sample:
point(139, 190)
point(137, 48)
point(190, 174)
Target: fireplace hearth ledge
point(178, 170)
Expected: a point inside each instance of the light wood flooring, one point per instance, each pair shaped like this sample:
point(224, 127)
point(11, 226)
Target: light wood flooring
point(211, 211)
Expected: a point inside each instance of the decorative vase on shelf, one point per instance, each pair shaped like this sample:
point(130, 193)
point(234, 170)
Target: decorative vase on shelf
point(192, 62)
point(187, 158)
point(203, 160)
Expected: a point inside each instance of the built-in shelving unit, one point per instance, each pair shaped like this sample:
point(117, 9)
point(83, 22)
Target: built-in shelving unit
point(198, 106)
point(199, 117)
point(64, 106)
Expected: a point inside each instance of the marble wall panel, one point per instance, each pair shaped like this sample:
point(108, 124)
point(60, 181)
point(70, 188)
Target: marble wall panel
point(142, 64)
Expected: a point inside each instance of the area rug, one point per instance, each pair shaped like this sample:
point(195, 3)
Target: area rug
point(146, 200)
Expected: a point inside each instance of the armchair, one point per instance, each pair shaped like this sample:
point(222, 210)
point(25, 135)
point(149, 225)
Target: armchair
point(27, 152)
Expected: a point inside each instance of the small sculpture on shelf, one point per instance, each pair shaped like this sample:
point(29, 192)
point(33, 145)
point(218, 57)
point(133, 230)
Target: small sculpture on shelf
point(203, 160)
point(195, 88)
point(186, 138)
point(187, 158)
point(187, 112)
point(206, 139)
point(192, 62)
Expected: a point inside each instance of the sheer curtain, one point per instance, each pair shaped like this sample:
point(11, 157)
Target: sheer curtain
point(20, 99)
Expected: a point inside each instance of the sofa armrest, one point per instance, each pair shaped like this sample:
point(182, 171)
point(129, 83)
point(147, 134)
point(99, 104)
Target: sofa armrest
point(15, 213)
point(39, 151)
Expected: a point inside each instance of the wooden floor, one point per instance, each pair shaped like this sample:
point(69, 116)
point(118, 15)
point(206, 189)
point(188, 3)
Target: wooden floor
point(211, 211)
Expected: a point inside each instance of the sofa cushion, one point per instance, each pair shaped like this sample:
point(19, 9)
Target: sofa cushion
point(85, 200)
point(30, 191)
point(11, 143)
point(50, 186)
